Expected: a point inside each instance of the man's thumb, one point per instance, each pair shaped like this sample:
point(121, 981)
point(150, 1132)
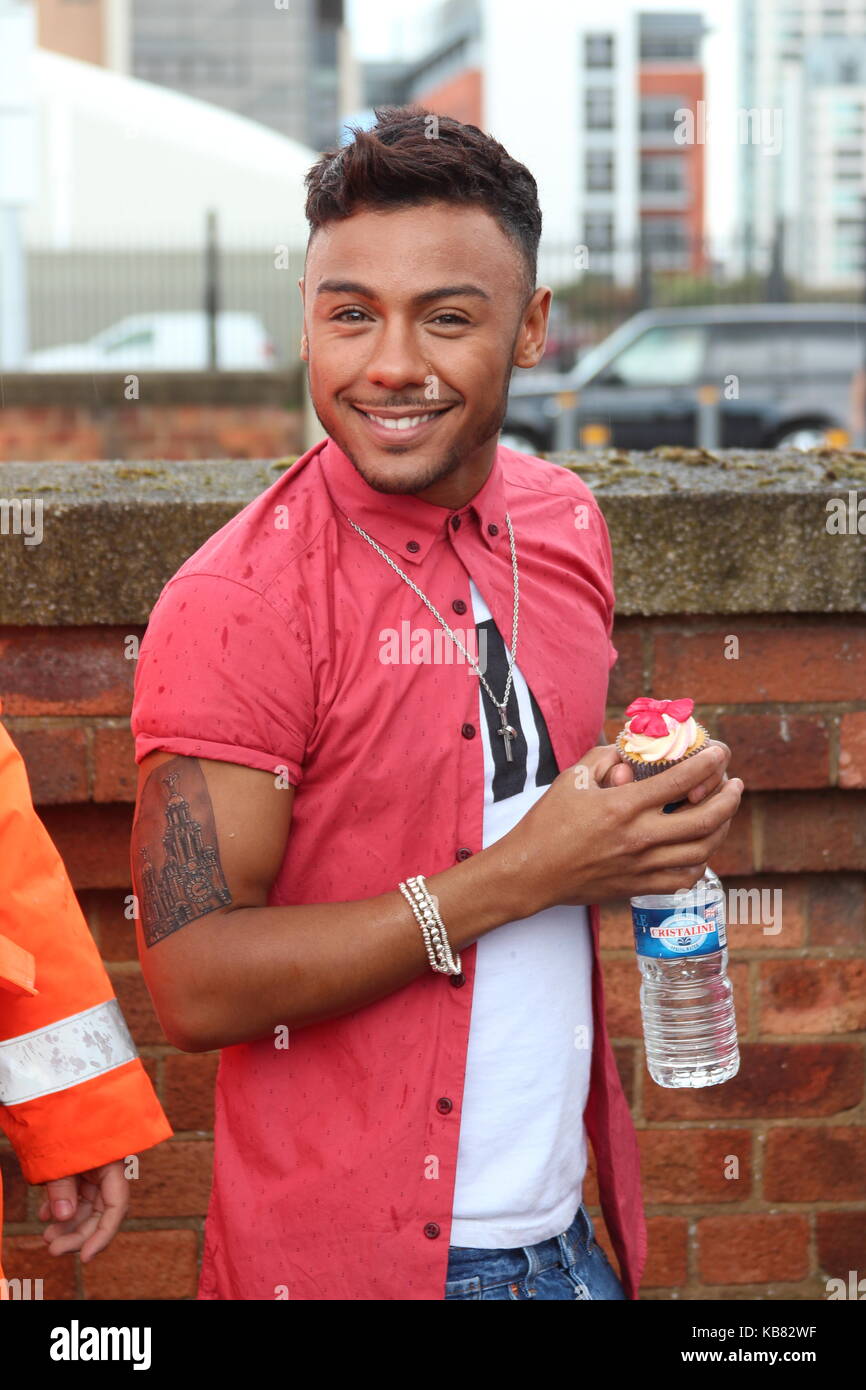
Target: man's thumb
point(62, 1193)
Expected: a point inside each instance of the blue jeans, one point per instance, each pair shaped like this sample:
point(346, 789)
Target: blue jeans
point(570, 1265)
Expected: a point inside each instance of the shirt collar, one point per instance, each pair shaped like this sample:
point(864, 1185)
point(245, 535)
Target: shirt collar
point(407, 525)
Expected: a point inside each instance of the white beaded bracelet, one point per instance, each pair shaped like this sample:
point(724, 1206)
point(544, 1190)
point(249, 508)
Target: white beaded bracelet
point(426, 914)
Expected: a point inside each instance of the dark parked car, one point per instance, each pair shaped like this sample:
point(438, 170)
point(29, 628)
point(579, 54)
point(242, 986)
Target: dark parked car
point(783, 373)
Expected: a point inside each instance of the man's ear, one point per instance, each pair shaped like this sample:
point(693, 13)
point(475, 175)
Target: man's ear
point(529, 348)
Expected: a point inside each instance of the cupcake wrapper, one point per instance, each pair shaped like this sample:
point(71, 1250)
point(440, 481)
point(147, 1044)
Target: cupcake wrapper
point(641, 769)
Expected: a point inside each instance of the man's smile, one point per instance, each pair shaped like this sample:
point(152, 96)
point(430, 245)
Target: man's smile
point(388, 426)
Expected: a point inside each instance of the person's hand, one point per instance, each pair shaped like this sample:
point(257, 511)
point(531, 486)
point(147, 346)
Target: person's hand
point(88, 1209)
point(598, 834)
point(618, 772)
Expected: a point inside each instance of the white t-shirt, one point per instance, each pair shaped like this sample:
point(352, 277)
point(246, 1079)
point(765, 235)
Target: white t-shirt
point(522, 1154)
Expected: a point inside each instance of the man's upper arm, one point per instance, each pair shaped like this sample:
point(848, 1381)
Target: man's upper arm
point(208, 837)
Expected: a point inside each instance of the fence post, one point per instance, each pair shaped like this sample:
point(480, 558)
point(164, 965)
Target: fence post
point(211, 288)
point(707, 432)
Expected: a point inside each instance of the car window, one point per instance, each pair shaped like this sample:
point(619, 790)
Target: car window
point(144, 338)
point(838, 349)
point(786, 349)
point(749, 350)
point(669, 355)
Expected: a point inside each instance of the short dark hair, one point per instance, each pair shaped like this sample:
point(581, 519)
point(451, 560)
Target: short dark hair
point(396, 164)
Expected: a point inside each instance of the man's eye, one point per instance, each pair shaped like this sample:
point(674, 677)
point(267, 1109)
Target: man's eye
point(455, 319)
point(343, 312)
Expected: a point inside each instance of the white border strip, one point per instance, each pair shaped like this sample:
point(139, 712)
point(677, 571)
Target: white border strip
point(64, 1053)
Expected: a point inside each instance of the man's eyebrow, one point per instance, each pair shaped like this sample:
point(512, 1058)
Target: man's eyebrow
point(426, 297)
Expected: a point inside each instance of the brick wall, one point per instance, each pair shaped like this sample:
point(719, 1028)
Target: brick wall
point(181, 415)
point(792, 705)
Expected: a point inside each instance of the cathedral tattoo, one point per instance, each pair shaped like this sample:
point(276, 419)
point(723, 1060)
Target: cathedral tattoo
point(179, 869)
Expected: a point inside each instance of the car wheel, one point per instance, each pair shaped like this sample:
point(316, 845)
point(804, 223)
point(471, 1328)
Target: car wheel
point(802, 437)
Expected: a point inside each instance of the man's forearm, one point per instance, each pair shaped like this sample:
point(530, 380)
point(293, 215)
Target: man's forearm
point(261, 967)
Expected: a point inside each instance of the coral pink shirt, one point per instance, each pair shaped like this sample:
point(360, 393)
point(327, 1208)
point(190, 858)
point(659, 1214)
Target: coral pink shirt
point(335, 1158)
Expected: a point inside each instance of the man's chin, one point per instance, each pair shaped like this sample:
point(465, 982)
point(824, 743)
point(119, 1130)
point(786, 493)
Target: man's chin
point(408, 472)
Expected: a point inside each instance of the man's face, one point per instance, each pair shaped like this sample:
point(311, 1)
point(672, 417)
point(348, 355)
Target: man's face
point(415, 316)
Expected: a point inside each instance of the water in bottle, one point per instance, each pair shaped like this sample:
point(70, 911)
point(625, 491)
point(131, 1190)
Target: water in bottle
point(686, 999)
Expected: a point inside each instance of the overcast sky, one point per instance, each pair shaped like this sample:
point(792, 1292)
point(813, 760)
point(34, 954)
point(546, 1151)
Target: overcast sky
point(391, 28)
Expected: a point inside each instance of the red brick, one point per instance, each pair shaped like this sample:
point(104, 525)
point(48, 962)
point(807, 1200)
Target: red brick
point(93, 842)
point(807, 662)
point(115, 775)
point(612, 727)
point(175, 1180)
point(837, 910)
point(736, 854)
point(627, 676)
point(777, 750)
point(105, 912)
point(136, 1005)
point(189, 1089)
point(667, 1257)
point(813, 831)
point(819, 1164)
point(813, 996)
point(144, 1264)
point(28, 1257)
point(65, 670)
point(765, 909)
point(14, 1187)
point(775, 1081)
point(617, 932)
point(622, 998)
point(56, 762)
point(840, 1238)
point(753, 1248)
point(689, 1165)
point(852, 750)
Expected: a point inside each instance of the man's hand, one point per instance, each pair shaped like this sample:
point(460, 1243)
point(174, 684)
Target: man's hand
point(611, 770)
point(89, 1209)
point(597, 833)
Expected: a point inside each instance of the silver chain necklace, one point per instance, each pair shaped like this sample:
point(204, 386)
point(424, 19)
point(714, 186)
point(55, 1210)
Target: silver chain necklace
point(506, 732)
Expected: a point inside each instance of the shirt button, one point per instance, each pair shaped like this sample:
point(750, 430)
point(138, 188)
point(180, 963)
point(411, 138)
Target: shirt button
point(463, 853)
point(432, 1229)
point(457, 980)
point(455, 523)
point(459, 606)
point(443, 1105)
point(493, 529)
point(468, 731)
point(413, 546)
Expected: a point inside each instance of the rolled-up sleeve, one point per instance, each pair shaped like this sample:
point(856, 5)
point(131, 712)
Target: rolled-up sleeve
point(222, 675)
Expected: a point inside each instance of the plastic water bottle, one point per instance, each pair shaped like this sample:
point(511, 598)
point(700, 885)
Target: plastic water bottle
point(686, 999)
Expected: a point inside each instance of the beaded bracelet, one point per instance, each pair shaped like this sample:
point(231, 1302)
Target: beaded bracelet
point(423, 905)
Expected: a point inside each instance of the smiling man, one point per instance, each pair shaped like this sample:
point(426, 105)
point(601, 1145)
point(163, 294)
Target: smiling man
point(411, 1067)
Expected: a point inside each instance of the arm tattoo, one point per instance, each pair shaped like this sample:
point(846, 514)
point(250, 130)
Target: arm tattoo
point(178, 863)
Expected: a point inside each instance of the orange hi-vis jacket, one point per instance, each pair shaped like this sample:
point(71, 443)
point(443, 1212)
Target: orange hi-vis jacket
point(73, 1092)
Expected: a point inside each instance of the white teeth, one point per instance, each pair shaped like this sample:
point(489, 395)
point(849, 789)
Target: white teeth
point(405, 422)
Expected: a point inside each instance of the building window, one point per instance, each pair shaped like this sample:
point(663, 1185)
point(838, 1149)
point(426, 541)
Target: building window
point(599, 171)
point(598, 50)
point(598, 231)
point(663, 48)
point(599, 108)
point(663, 174)
point(658, 115)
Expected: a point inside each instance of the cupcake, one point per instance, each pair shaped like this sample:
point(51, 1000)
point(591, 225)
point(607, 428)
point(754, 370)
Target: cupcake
point(659, 734)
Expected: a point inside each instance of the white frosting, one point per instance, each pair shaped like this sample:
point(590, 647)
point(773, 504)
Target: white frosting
point(661, 748)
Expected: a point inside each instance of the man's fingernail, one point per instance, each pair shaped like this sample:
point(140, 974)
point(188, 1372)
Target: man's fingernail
point(718, 755)
point(62, 1209)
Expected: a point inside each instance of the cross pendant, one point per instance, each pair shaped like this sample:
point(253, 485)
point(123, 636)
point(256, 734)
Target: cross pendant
point(508, 734)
